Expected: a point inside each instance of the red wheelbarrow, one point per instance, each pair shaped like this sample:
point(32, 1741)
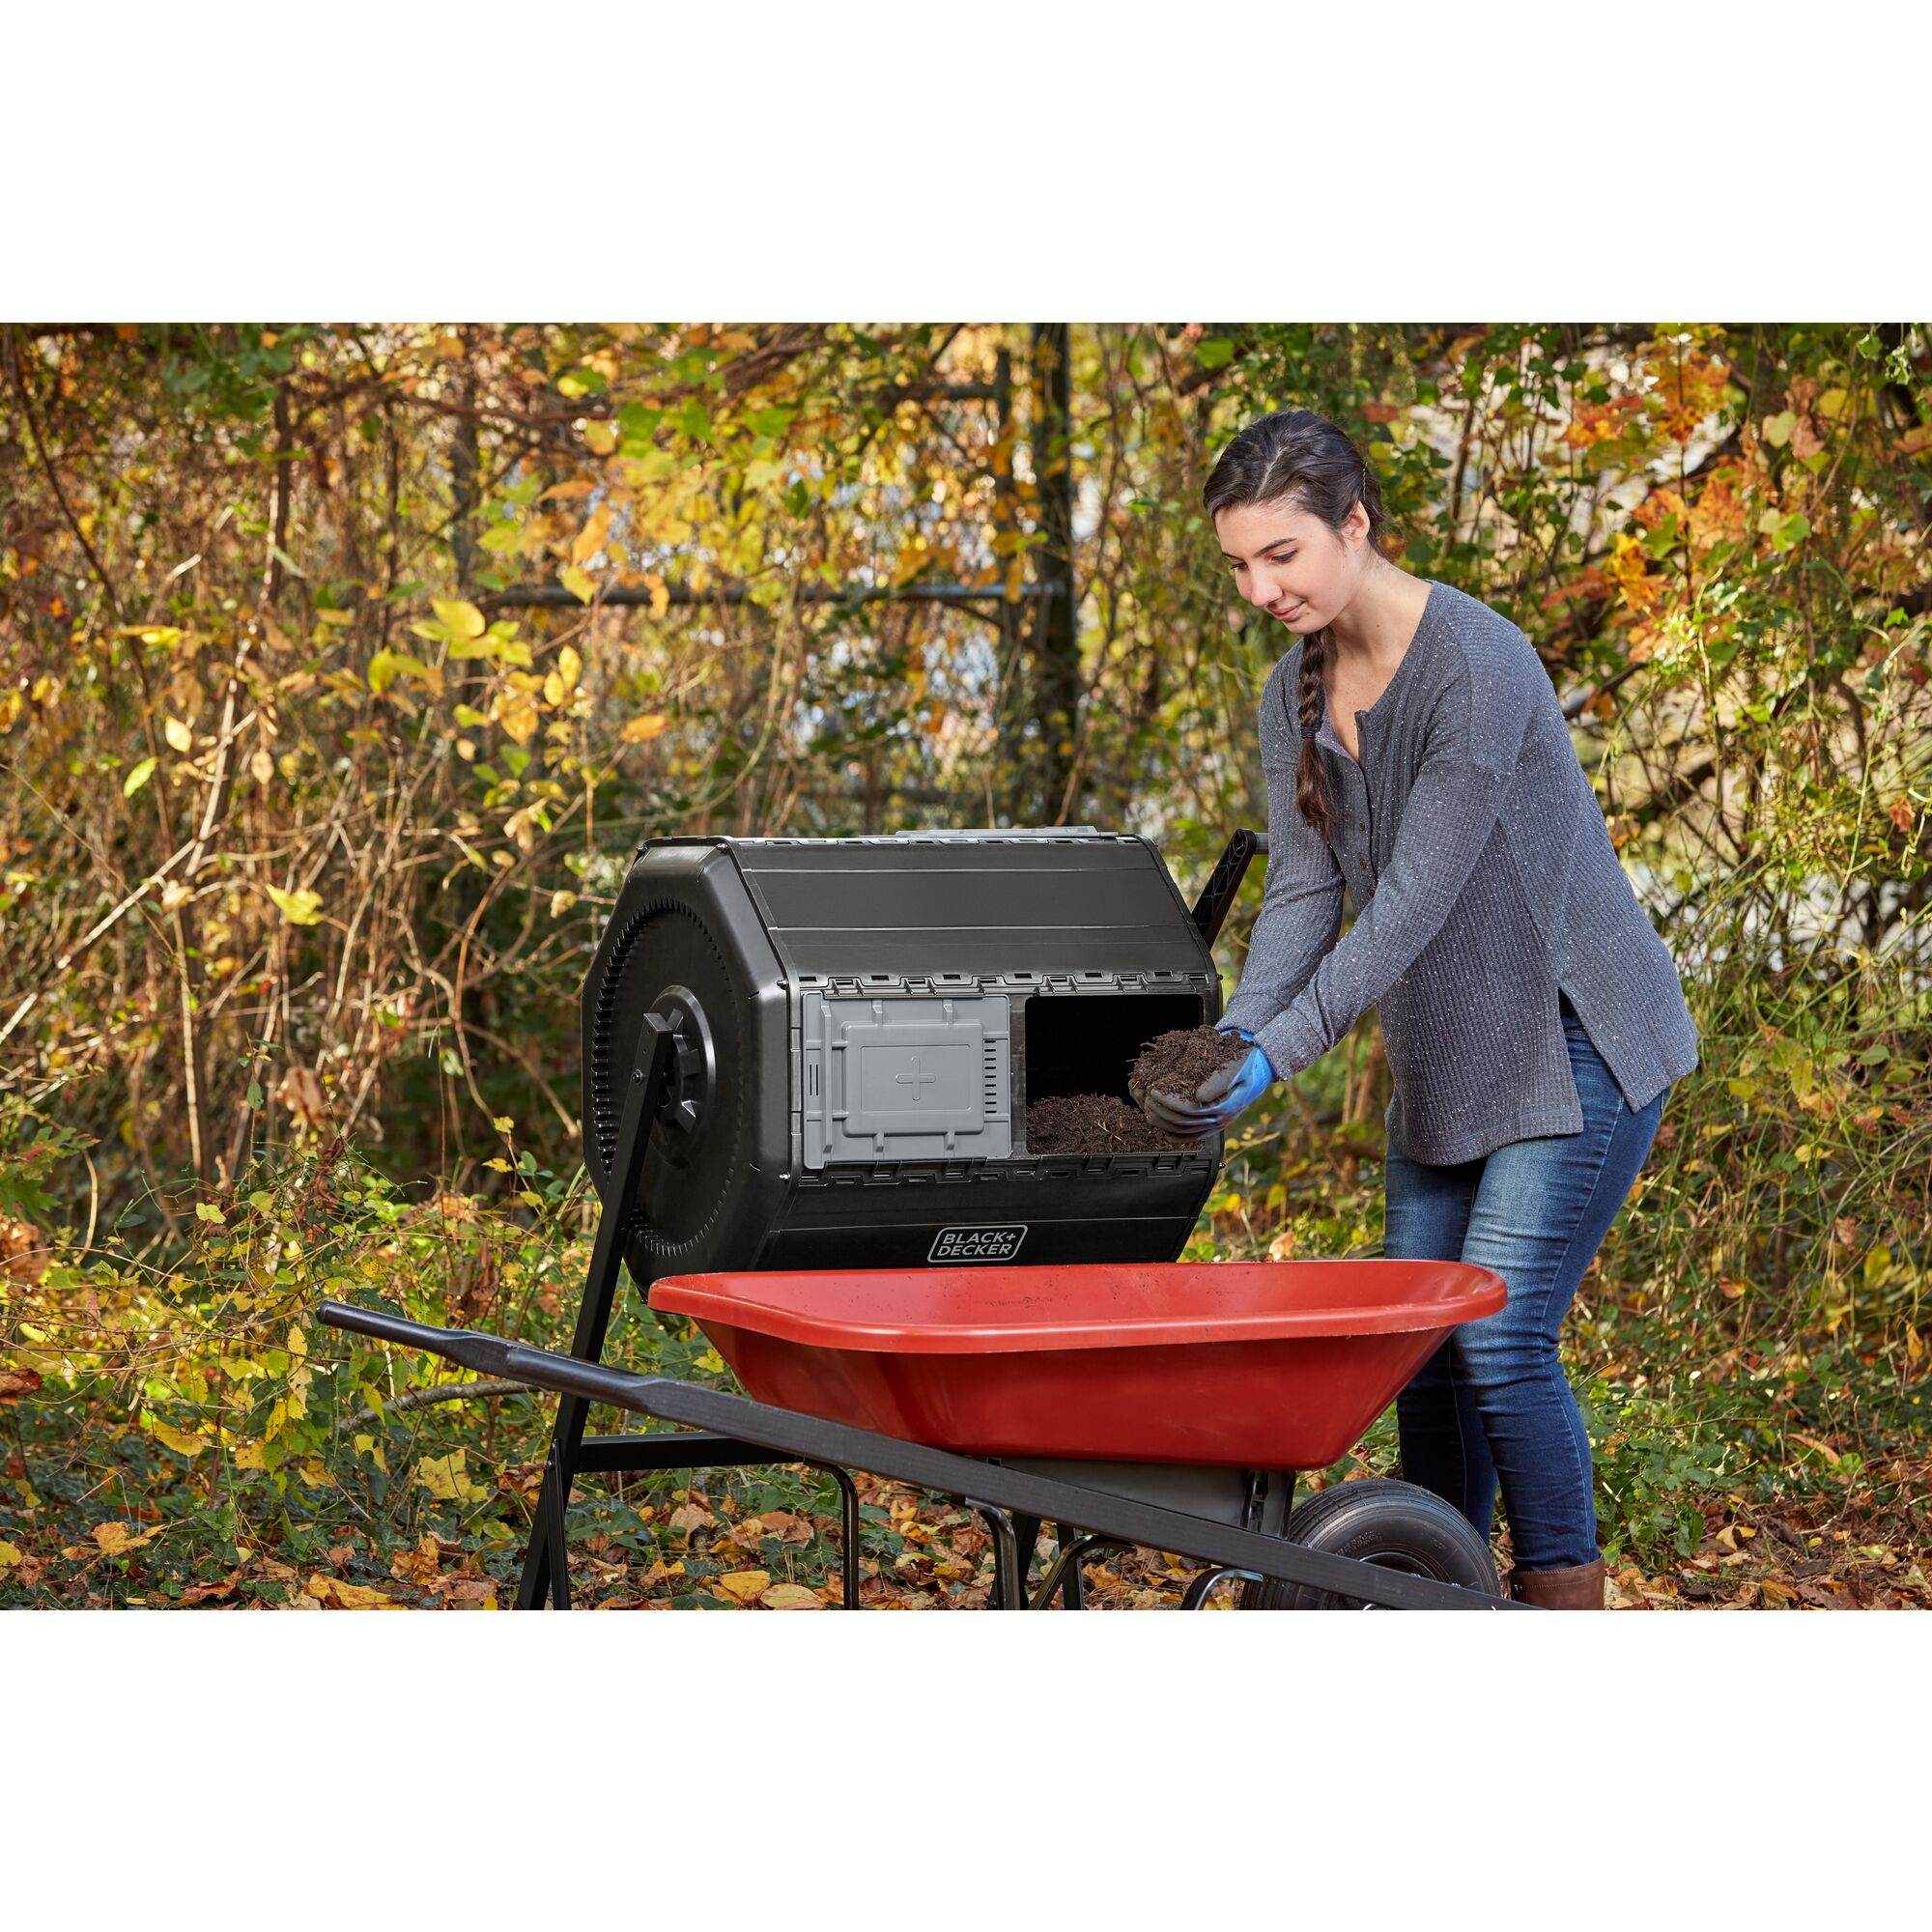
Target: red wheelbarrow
point(1165, 1406)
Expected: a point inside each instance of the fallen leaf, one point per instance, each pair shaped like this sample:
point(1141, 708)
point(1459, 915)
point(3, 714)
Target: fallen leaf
point(790, 1597)
point(787, 1527)
point(420, 1565)
point(349, 1596)
point(16, 1382)
point(447, 1478)
point(202, 1593)
point(688, 1517)
point(115, 1539)
point(744, 1586)
point(9, 1556)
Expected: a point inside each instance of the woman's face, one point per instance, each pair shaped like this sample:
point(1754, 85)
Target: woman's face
point(1291, 564)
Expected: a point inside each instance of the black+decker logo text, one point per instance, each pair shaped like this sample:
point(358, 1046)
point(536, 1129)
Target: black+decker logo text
point(976, 1244)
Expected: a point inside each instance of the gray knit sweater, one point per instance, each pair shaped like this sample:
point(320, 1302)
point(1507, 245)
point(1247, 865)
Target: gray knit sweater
point(1484, 883)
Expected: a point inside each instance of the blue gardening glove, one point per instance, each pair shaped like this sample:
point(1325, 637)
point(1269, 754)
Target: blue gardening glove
point(1226, 1091)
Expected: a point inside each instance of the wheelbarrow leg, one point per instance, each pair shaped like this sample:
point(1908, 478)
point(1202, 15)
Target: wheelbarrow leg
point(1195, 1596)
point(1025, 1533)
point(1075, 1549)
point(848, 1513)
point(1009, 1579)
point(1068, 1541)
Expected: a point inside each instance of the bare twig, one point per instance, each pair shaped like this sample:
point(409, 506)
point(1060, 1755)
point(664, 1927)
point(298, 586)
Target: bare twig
point(425, 1398)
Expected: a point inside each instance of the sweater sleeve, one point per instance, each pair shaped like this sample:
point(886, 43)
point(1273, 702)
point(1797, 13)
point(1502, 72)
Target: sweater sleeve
point(1450, 814)
point(1301, 903)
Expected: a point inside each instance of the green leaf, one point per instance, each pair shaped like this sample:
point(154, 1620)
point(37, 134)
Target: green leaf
point(299, 908)
point(1216, 353)
point(458, 618)
point(138, 778)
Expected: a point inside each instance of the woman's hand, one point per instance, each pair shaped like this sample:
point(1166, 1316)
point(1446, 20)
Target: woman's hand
point(1226, 1093)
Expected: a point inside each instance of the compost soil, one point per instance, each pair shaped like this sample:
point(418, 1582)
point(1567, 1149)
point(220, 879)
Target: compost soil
point(1093, 1123)
point(1172, 1063)
point(1177, 1063)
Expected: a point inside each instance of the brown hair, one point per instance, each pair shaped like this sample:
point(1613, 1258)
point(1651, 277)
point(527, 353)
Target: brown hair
point(1301, 460)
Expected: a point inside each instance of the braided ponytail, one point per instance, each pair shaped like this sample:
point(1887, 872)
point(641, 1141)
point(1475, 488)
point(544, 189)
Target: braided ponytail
point(1303, 460)
point(1311, 782)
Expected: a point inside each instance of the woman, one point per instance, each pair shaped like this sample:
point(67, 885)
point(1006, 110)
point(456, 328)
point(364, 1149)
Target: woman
point(1415, 753)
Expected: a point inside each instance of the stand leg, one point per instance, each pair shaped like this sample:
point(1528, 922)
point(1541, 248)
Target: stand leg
point(546, 1566)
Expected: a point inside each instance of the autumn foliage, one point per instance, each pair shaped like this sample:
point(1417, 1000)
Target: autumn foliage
point(343, 667)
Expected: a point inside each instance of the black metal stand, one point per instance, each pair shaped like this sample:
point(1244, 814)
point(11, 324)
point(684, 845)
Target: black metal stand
point(545, 1571)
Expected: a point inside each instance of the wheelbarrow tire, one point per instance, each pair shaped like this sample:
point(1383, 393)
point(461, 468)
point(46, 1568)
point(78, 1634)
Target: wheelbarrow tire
point(1393, 1525)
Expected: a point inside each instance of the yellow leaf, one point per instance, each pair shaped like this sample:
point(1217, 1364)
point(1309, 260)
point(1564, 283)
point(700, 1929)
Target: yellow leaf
point(367, 1445)
point(177, 1439)
point(502, 1122)
point(299, 908)
point(115, 1538)
point(460, 618)
point(589, 540)
point(517, 714)
point(601, 436)
point(791, 1596)
point(9, 1556)
point(569, 666)
point(744, 1586)
point(349, 1596)
point(178, 736)
point(560, 904)
point(579, 581)
point(447, 1478)
point(420, 1565)
point(249, 1455)
point(641, 731)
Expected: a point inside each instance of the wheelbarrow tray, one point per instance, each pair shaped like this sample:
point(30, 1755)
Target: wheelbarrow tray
point(1253, 1365)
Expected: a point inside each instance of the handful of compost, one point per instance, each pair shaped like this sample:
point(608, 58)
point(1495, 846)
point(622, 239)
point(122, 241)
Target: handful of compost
point(1193, 1084)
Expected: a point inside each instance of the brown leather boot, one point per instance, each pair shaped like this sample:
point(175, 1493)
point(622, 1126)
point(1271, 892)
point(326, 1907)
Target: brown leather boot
point(1580, 1587)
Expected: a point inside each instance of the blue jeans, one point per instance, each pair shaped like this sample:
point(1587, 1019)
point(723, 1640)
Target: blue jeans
point(1492, 1406)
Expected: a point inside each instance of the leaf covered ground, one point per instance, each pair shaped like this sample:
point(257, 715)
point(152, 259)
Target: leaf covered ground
point(175, 1450)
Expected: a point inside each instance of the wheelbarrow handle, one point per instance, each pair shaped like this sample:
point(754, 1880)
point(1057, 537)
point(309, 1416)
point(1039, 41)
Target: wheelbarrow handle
point(484, 1353)
point(487, 1355)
